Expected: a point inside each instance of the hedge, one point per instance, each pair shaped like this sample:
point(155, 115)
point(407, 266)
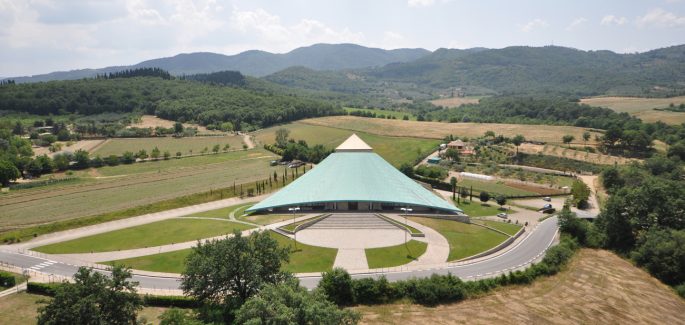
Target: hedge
point(438, 289)
point(7, 280)
point(170, 301)
point(46, 289)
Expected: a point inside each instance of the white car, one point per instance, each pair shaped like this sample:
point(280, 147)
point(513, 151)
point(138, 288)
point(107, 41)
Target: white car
point(502, 215)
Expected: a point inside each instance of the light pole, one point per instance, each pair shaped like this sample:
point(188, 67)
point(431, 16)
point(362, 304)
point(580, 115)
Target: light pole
point(294, 229)
point(406, 227)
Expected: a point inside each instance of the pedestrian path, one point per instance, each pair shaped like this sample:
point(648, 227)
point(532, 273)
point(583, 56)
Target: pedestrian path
point(351, 259)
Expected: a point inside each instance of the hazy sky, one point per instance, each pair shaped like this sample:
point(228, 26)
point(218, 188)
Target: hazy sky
point(39, 36)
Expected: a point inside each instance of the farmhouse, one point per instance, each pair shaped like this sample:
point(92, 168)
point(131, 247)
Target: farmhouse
point(461, 147)
point(354, 178)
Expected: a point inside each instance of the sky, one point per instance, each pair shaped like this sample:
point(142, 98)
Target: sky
point(41, 36)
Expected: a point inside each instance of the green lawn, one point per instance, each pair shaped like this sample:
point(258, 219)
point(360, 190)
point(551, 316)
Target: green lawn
point(171, 262)
point(493, 187)
point(219, 213)
point(395, 255)
point(508, 228)
point(173, 145)
point(396, 150)
point(305, 259)
point(267, 219)
point(465, 240)
point(148, 235)
point(477, 209)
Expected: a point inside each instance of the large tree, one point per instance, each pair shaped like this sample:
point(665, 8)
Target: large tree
point(8, 172)
point(229, 271)
point(282, 137)
point(289, 303)
point(517, 141)
point(94, 298)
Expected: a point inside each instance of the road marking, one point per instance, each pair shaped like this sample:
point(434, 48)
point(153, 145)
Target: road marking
point(42, 265)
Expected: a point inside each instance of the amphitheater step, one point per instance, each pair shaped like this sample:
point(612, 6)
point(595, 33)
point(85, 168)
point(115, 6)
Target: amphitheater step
point(352, 221)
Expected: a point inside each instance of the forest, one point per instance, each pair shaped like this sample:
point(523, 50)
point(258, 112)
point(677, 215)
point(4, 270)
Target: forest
point(182, 100)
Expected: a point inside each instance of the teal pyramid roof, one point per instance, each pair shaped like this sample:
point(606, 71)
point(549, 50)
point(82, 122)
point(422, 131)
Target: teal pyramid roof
point(354, 176)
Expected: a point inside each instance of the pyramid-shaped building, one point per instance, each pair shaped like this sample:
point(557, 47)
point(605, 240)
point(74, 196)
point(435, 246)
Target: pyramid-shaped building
point(354, 178)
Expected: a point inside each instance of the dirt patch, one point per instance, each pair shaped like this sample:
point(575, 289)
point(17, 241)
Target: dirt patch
point(455, 101)
point(150, 121)
point(597, 288)
point(87, 145)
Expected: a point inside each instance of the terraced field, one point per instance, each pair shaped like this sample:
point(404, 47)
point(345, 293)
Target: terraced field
point(559, 151)
point(188, 145)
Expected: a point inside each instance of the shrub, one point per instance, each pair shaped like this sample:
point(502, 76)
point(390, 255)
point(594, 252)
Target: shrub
point(435, 289)
point(337, 285)
point(681, 290)
point(369, 291)
point(7, 280)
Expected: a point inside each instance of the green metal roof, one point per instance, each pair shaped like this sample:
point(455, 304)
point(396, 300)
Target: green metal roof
point(354, 176)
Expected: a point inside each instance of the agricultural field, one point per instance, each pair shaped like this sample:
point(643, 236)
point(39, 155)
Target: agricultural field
point(493, 187)
point(305, 259)
point(597, 287)
point(465, 240)
point(177, 230)
point(395, 255)
point(396, 150)
point(564, 152)
point(397, 114)
point(438, 130)
point(456, 101)
point(151, 121)
point(127, 186)
point(643, 108)
point(186, 145)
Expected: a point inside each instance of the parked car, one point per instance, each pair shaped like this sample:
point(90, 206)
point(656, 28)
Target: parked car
point(502, 215)
point(547, 206)
point(547, 198)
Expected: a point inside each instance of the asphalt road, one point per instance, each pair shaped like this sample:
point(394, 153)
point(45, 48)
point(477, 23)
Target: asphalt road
point(524, 253)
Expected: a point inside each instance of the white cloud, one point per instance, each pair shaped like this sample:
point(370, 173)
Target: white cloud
point(420, 3)
point(609, 20)
point(661, 18)
point(269, 28)
point(534, 24)
point(575, 23)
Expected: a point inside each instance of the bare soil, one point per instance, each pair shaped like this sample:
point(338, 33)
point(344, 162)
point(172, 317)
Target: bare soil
point(598, 287)
point(455, 101)
point(151, 121)
point(562, 151)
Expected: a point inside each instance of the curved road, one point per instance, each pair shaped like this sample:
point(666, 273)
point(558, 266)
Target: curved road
point(527, 251)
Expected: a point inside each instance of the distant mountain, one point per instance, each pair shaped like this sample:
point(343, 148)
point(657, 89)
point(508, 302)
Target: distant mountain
point(257, 63)
point(521, 69)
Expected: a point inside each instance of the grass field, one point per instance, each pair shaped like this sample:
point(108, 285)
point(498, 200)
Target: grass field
point(476, 209)
point(643, 108)
point(438, 130)
point(267, 219)
point(395, 255)
point(597, 287)
point(396, 150)
point(291, 227)
point(187, 145)
point(465, 240)
point(305, 259)
point(126, 186)
point(508, 228)
point(218, 213)
point(398, 115)
point(149, 235)
point(493, 187)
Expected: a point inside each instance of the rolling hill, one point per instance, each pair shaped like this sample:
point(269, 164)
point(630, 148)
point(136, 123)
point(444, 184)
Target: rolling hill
point(256, 63)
